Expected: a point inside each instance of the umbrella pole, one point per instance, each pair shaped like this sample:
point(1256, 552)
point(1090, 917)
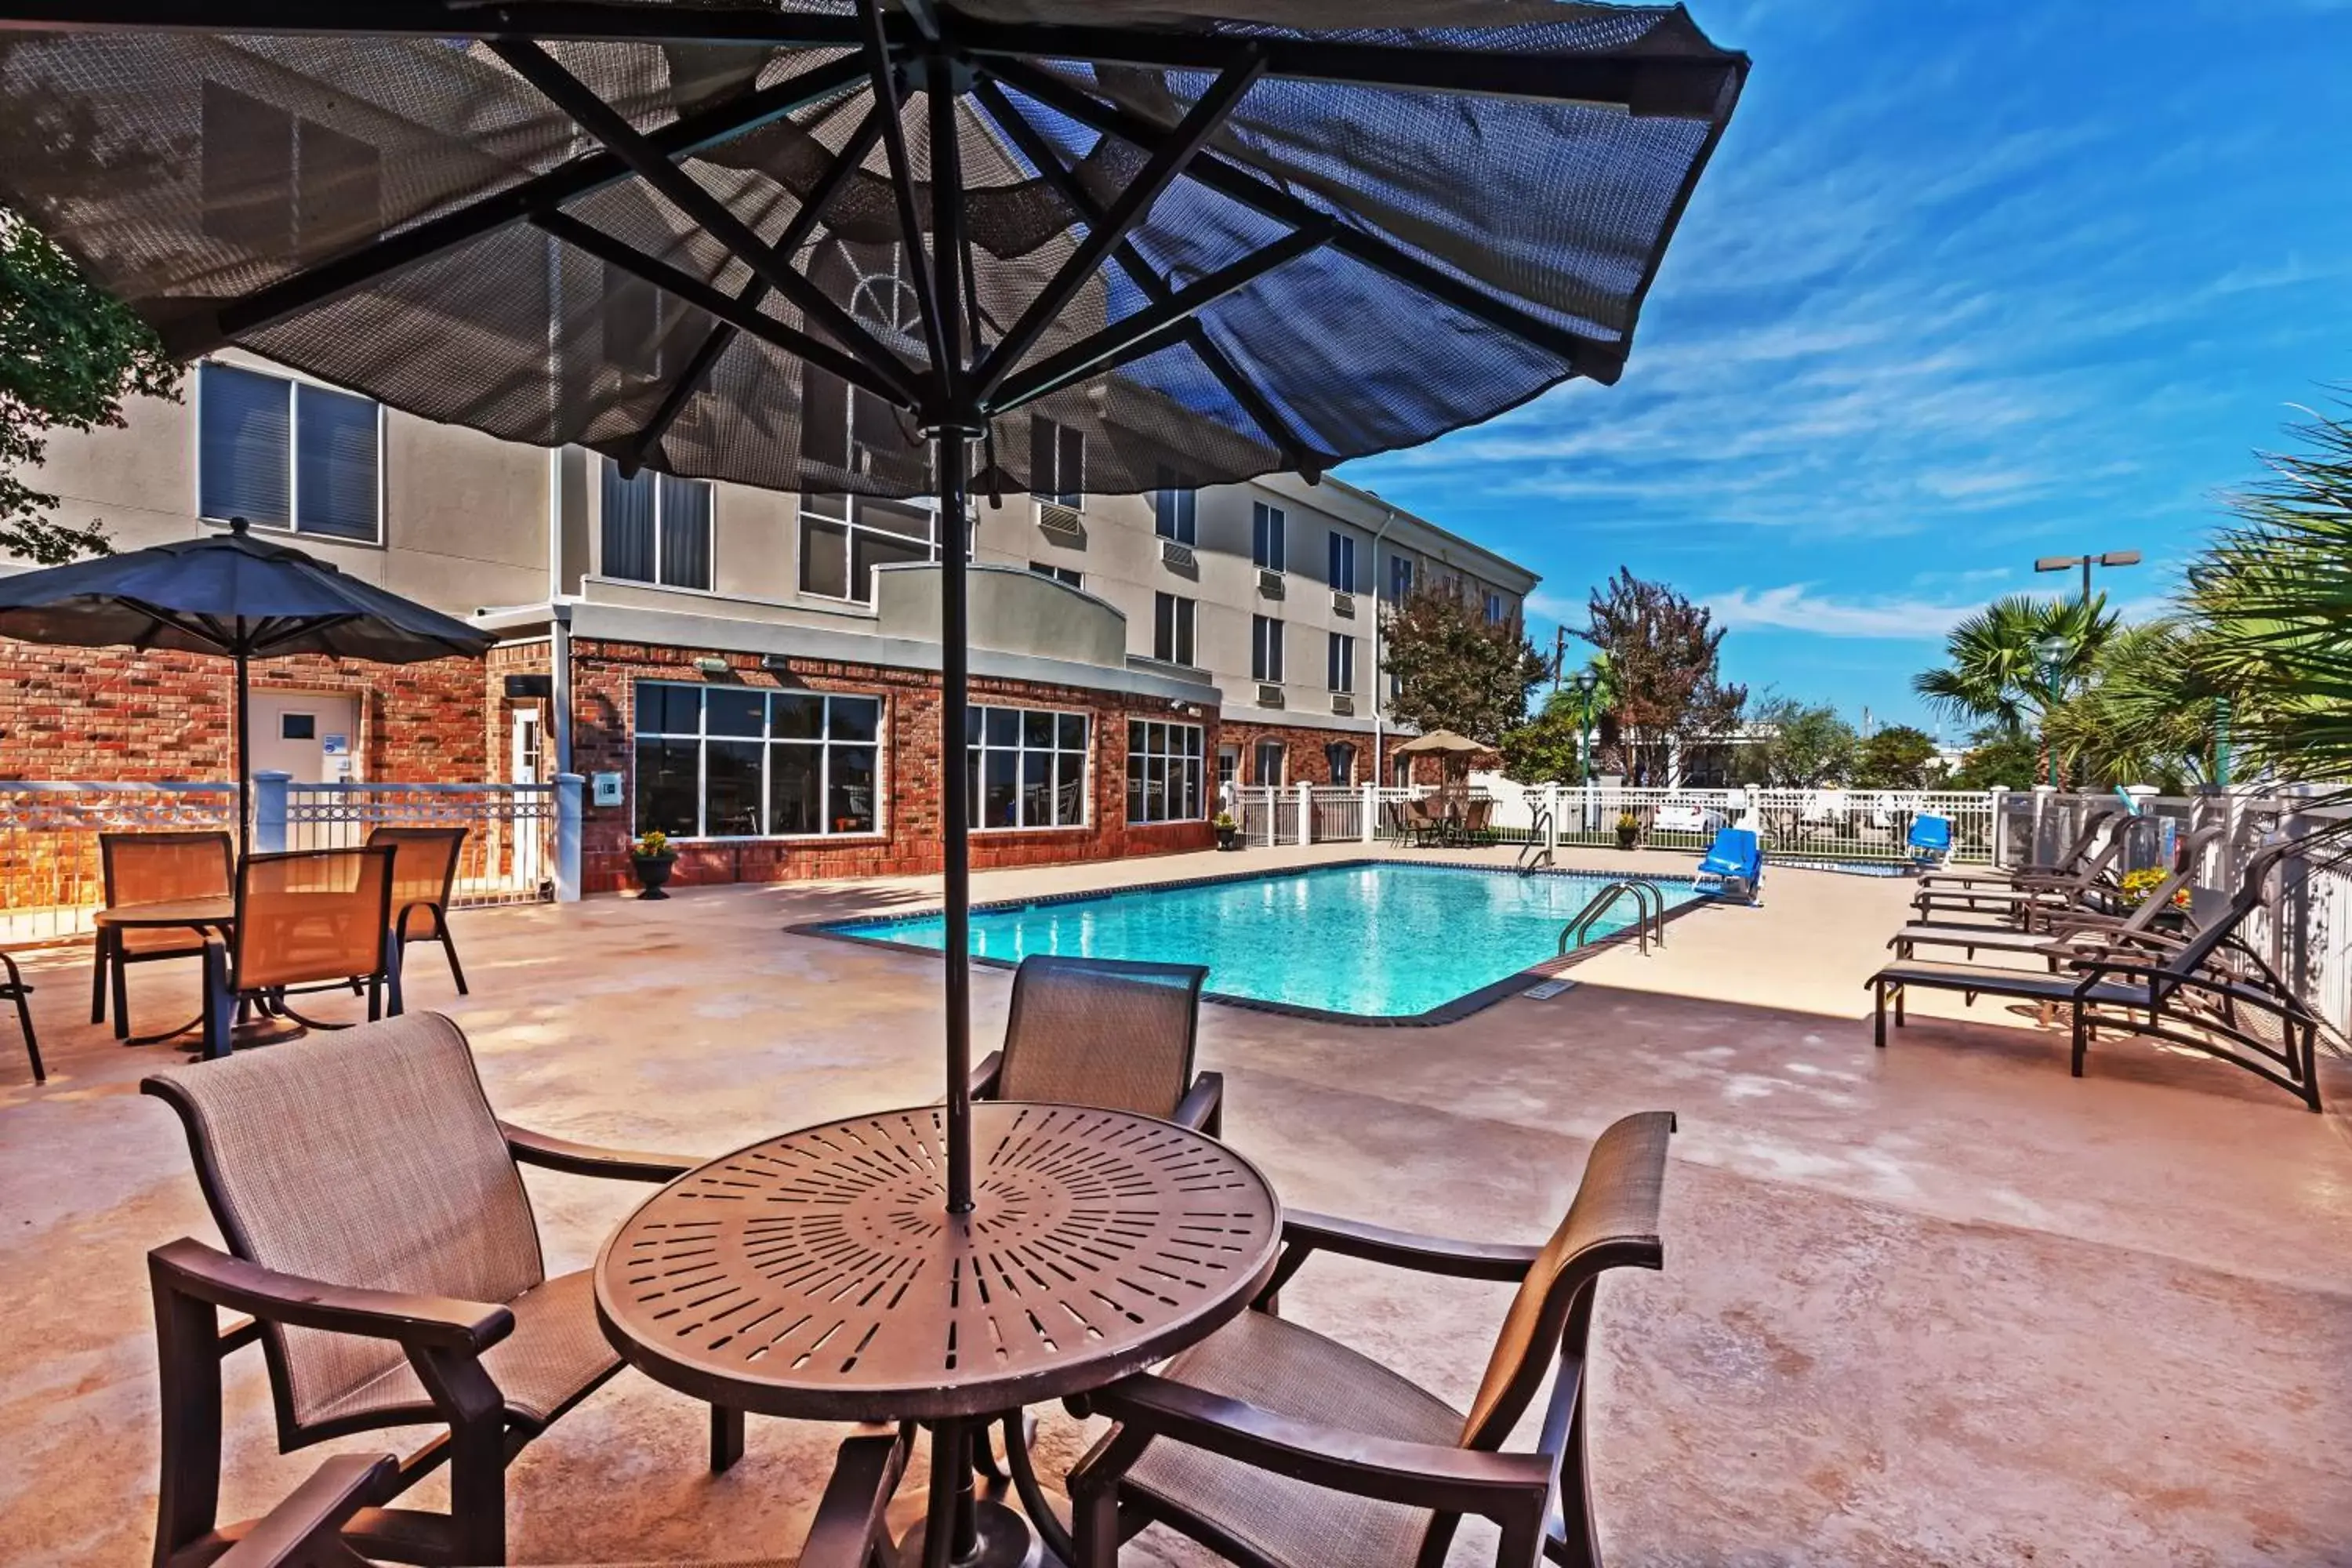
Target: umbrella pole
point(244, 748)
point(955, 800)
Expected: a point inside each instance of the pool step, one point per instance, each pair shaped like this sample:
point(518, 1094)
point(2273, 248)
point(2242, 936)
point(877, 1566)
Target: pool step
point(1649, 915)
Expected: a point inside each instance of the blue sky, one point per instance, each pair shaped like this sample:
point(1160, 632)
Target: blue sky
point(1964, 285)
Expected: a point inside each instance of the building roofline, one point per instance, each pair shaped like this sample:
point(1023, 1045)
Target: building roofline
point(1336, 495)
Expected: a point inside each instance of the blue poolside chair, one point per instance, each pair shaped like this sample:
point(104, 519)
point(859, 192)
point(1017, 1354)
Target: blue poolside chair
point(1931, 840)
point(1734, 866)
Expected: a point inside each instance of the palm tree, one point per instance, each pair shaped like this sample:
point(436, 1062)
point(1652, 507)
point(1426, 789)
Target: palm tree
point(2150, 712)
point(1999, 671)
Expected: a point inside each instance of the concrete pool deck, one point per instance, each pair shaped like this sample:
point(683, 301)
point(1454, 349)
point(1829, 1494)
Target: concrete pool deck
point(1938, 1304)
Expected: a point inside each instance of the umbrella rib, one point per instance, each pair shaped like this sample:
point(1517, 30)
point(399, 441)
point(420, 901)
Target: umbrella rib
point(718, 302)
point(1294, 451)
point(902, 188)
point(632, 454)
point(601, 121)
point(1155, 327)
point(1594, 357)
point(1171, 153)
point(584, 175)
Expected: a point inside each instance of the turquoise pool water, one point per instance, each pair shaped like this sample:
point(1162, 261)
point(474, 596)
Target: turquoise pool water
point(1389, 940)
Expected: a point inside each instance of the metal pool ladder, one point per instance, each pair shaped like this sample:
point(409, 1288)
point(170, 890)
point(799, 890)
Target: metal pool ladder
point(1649, 915)
point(1537, 851)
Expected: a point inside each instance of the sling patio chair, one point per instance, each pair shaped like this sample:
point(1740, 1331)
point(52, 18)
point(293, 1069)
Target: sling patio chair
point(1422, 825)
point(1109, 1033)
point(153, 869)
point(424, 870)
point(1278, 1447)
point(2068, 930)
point(1478, 821)
point(311, 919)
point(2212, 994)
point(381, 1242)
point(306, 1530)
point(13, 988)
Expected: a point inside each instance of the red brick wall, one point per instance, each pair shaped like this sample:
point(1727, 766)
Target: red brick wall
point(604, 675)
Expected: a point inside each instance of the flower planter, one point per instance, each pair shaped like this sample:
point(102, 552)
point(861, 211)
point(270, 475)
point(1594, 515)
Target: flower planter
point(1229, 837)
point(1629, 838)
point(653, 872)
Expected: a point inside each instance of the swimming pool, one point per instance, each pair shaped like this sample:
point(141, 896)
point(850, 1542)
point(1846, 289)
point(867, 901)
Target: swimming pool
point(1379, 940)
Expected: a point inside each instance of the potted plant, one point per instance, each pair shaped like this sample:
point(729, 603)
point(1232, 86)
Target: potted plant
point(651, 857)
point(2138, 887)
point(1229, 832)
point(1629, 830)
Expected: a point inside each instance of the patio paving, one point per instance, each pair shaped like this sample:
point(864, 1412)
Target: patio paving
point(1940, 1304)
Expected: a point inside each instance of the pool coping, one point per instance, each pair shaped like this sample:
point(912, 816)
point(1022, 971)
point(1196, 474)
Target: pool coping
point(1452, 1012)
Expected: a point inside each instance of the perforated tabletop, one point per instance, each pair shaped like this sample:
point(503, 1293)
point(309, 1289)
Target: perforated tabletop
point(819, 1275)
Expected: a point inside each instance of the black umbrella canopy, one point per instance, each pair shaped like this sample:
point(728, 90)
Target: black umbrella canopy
point(884, 250)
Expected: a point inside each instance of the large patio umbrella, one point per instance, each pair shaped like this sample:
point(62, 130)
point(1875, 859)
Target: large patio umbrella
point(229, 593)
point(885, 250)
point(1455, 752)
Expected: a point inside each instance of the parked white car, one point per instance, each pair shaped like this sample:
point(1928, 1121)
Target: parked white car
point(1683, 818)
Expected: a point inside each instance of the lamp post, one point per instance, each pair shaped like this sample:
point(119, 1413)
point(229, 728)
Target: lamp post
point(2068, 562)
point(2051, 652)
point(1586, 683)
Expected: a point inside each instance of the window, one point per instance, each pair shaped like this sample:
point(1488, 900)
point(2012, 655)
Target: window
point(844, 538)
point(1069, 576)
point(656, 529)
point(1058, 463)
point(1172, 629)
point(724, 761)
point(298, 726)
point(1400, 772)
point(1342, 757)
point(1265, 763)
point(1340, 663)
point(1265, 648)
point(288, 454)
point(1343, 563)
point(1496, 610)
point(1028, 767)
point(1229, 767)
point(1265, 537)
point(1174, 510)
point(1163, 772)
point(1400, 579)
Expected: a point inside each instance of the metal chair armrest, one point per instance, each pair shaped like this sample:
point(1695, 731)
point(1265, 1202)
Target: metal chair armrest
point(435, 1322)
point(1418, 1475)
point(1504, 1261)
point(985, 1076)
point(299, 1531)
point(1203, 1104)
point(849, 1520)
point(530, 1148)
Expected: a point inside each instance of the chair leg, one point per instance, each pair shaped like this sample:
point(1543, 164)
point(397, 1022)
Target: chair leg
point(393, 1006)
point(726, 1438)
point(17, 988)
point(118, 981)
point(1880, 1035)
point(449, 946)
point(188, 1341)
point(220, 1005)
point(97, 967)
point(2081, 1039)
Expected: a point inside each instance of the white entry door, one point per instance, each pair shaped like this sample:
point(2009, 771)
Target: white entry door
point(526, 761)
point(312, 737)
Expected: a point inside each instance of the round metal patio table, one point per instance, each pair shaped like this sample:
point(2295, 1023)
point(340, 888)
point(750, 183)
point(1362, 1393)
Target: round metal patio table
point(194, 914)
point(818, 1275)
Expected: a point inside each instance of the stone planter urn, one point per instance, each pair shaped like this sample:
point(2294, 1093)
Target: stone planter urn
point(653, 872)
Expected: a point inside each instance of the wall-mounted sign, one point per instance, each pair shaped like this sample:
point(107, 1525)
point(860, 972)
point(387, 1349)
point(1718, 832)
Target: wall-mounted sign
point(336, 745)
point(520, 687)
point(605, 788)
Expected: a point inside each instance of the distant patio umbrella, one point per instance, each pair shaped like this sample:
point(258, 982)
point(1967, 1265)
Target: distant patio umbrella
point(1442, 742)
point(229, 593)
point(1103, 246)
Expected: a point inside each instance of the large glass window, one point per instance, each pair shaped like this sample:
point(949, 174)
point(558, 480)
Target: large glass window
point(1058, 463)
point(1265, 648)
point(1164, 768)
point(844, 538)
point(1069, 576)
point(657, 528)
point(1028, 767)
point(723, 761)
point(1340, 665)
point(1172, 629)
point(1266, 763)
point(1267, 524)
point(287, 453)
point(1343, 562)
point(1340, 757)
point(1498, 612)
point(1400, 579)
point(1175, 511)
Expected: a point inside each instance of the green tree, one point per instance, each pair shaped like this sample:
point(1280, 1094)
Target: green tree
point(1454, 669)
point(69, 355)
point(1550, 747)
point(1895, 757)
point(1664, 659)
point(1996, 672)
point(1798, 745)
point(2147, 713)
point(1998, 758)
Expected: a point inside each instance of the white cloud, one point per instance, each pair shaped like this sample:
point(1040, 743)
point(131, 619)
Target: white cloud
point(1795, 607)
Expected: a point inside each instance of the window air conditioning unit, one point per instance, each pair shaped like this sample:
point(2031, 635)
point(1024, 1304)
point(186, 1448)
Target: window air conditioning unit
point(1173, 553)
point(1342, 702)
point(1344, 604)
point(1060, 520)
point(1269, 696)
point(1269, 584)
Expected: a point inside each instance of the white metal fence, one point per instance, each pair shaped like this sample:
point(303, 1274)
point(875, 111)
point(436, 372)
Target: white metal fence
point(51, 883)
point(509, 854)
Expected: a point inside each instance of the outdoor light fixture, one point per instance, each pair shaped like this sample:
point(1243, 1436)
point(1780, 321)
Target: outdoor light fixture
point(2052, 651)
point(2068, 562)
point(711, 665)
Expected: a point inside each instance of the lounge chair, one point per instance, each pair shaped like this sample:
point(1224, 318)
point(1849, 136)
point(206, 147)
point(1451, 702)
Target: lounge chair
point(2067, 931)
point(13, 988)
point(1106, 1032)
point(2029, 896)
point(423, 872)
point(382, 1244)
point(1734, 867)
point(153, 869)
point(2069, 861)
point(1276, 1447)
point(310, 920)
point(1930, 840)
point(2214, 994)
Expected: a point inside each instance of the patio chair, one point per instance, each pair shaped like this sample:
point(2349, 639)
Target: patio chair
point(306, 1530)
point(2070, 858)
point(424, 870)
point(1734, 866)
point(153, 869)
point(2069, 931)
point(2028, 897)
point(1279, 1448)
point(382, 1245)
point(13, 988)
point(1929, 843)
point(1109, 1033)
point(2214, 994)
point(310, 920)
point(1424, 825)
point(1478, 821)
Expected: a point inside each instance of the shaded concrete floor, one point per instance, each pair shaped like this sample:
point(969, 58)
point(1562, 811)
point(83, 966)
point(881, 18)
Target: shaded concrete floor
point(1940, 1304)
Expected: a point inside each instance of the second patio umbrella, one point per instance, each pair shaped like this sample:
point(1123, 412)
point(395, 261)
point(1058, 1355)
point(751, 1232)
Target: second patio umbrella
point(233, 594)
